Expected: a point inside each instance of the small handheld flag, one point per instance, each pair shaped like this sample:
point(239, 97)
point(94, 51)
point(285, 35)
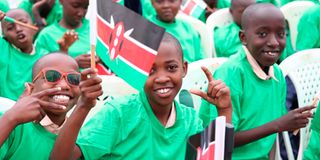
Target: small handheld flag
point(11, 20)
point(126, 42)
point(194, 8)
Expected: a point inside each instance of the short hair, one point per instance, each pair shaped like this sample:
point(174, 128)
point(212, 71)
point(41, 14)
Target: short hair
point(17, 9)
point(168, 38)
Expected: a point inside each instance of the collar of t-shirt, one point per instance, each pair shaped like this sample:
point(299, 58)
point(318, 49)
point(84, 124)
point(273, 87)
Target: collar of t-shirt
point(257, 69)
point(32, 52)
point(50, 126)
point(172, 117)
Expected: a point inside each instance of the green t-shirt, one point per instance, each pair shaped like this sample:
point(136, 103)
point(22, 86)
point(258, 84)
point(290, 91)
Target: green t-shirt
point(47, 39)
point(255, 102)
point(147, 8)
point(284, 2)
point(4, 6)
point(288, 50)
point(15, 69)
point(312, 152)
point(54, 15)
point(223, 3)
point(274, 2)
point(226, 40)
point(309, 29)
point(188, 37)
point(28, 141)
point(127, 128)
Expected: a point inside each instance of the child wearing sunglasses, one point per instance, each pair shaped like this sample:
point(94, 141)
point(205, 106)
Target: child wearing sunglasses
point(18, 53)
point(30, 127)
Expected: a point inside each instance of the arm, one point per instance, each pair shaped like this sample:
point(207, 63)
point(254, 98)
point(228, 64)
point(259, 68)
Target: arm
point(65, 147)
point(40, 22)
point(295, 119)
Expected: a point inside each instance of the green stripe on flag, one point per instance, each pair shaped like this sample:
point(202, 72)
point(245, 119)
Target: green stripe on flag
point(197, 11)
point(122, 69)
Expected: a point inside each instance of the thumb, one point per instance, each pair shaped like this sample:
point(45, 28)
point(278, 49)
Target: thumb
point(198, 93)
point(27, 90)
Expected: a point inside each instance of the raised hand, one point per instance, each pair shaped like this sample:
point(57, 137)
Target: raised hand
point(217, 93)
point(67, 40)
point(30, 107)
point(84, 60)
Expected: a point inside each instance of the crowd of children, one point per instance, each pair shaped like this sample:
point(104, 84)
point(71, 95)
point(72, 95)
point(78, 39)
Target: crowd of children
point(47, 72)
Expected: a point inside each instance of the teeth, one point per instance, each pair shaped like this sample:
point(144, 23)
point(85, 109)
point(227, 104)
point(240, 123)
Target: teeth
point(272, 53)
point(61, 98)
point(164, 90)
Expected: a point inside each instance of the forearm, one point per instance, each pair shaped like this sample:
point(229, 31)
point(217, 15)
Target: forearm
point(227, 113)
point(65, 145)
point(7, 125)
point(248, 136)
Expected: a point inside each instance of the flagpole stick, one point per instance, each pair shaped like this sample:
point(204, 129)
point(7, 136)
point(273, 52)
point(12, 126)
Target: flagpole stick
point(93, 56)
point(314, 103)
point(9, 19)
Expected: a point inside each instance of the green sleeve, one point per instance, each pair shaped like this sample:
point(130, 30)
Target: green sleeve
point(308, 31)
point(312, 152)
point(41, 44)
point(288, 50)
point(315, 125)
point(101, 133)
point(4, 6)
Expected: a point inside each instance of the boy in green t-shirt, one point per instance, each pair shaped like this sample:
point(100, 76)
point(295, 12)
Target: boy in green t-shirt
point(74, 12)
point(226, 39)
point(30, 127)
point(42, 12)
point(309, 29)
point(188, 37)
point(257, 85)
point(148, 125)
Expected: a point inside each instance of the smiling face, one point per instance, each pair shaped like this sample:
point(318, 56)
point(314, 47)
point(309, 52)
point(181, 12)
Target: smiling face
point(166, 9)
point(18, 35)
point(165, 79)
point(74, 11)
point(264, 34)
point(68, 95)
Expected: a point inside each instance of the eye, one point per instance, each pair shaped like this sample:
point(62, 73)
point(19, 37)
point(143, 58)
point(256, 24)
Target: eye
point(172, 67)
point(262, 34)
point(152, 71)
point(281, 34)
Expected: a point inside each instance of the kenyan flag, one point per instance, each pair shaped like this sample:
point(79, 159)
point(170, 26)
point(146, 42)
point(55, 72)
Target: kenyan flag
point(194, 8)
point(126, 42)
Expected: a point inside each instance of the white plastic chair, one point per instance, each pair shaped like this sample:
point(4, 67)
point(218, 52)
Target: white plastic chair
point(219, 18)
point(205, 36)
point(196, 79)
point(6, 104)
point(292, 13)
point(303, 69)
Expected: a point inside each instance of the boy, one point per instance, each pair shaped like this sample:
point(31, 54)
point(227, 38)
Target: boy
point(42, 12)
point(54, 91)
point(309, 29)
point(188, 37)
point(226, 39)
point(257, 85)
point(312, 152)
point(148, 125)
point(74, 12)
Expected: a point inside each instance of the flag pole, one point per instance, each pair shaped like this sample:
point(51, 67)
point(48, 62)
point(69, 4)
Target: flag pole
point(11, 20)
point(93, 29)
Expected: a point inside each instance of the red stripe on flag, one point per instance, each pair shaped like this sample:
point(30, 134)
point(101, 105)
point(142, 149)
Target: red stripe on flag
point(187, 10)
point(130, 51)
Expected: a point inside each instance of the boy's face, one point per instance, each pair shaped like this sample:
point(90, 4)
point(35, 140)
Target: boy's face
point(264, 36)
point(166, 9)
point(68, 95)
point(21, 37)
point(74, 11)
point(165, 79)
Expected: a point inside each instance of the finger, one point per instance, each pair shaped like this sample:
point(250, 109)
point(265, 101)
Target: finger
point(90, 82)
point(91, 88)
point(207, 73)
point(223, 91)
point(306, 115)
point(85, 73)
point(199, 93)
point(94, 95)
point(50, 105)
point(215, 85)
point(27, 90)
point(47, 92)
point(307, 108)
point(218, 89)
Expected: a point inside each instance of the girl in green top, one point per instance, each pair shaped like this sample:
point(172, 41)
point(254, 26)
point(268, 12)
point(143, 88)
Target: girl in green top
point(149, 125)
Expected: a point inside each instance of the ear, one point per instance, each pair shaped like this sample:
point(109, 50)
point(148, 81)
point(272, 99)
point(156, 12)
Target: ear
point(242, 37)
point(185, 69)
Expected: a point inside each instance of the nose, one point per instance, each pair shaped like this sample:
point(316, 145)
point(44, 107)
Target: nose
point(63, 84)
point(162, 79)
point(166, 4)
point(273, 41)
point(82, 12)
point(18, 27)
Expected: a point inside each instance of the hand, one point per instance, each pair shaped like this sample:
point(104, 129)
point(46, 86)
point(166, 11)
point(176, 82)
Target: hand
point(217, 94)
point(90, 87)
point(84, 60)
point(2, 15)
point(67, 40)
point(295, 119)
point(30, 107)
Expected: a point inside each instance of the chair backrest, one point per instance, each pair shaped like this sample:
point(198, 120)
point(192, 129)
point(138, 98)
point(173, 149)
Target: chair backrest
point(205, 36)
point(303, 69)
point(220, 18)
point(6, 104)
point(196, 79)
point(292, 13)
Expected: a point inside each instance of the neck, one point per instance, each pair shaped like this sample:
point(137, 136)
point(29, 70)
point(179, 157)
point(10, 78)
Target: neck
point(66, 25)
point(165, 21)
point(265, 70)
point(58, 120)
point(162, 112)
point(27, 49)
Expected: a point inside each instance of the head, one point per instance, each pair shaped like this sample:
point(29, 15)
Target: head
point(237, 7)
point(19, 36)
point(165, 78)
point(166, 9)
point(74, 11)
point(62, 63)
point(263, 33)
